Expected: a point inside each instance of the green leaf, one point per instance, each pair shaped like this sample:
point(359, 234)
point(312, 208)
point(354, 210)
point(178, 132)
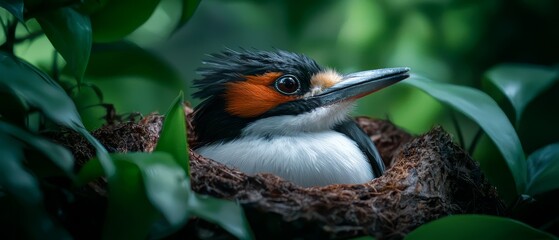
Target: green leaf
point(166, 184)
point(90, 171)
point(476, 227)
point(60, 156)
point(543, 170)
point(172, 138)
point(70, 34)
point(118, 18)
point(15, 7)
point(227, 214)
point(188, 9)
point(154, 180)
point(484, 111)
point(89, 7)
point(520, 83)
point(12, 108)
point(129, 214)
point(21, 185)
point(37, 89)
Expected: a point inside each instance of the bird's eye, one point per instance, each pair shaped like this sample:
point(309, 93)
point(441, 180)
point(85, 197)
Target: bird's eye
point(288, 84)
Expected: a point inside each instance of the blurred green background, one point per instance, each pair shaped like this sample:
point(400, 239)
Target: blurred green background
point(444, 40)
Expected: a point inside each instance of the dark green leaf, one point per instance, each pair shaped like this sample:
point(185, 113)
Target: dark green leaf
point(172, 138)
point(20, 184)
point(129, 214)
point(15, 7)
point(227, 214)
point(543, 170)
point(90, 171)
point(476, 227)
point(118, 18)
point(37, 89)
point(89, 7)
point(484, 111)
point(188, 9)
point(520, 83)
point(70, 34)
point(12, 109)
point(57, 154)
point(163, 188)
point(166, 184)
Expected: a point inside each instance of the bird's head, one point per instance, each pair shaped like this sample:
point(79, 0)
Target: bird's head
point(278, 92)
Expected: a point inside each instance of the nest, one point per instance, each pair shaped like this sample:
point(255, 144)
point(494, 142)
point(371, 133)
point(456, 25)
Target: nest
point(427, 177)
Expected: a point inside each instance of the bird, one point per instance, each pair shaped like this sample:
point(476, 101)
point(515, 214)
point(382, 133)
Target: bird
point(282, 113)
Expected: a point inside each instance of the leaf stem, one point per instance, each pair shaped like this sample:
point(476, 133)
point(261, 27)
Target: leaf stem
point(475, 141)
point(10, 32)
point(457, 127)
point(55, 70)
point(30, 36)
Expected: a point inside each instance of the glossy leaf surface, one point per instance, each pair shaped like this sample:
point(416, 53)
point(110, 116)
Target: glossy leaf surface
point(486, 113)
point(70, 33)
point(521, 83)
point(476, 227)
point(37, 89)
point(15, 7)
point(543, 170)
point(173, 134)
point(109, 24)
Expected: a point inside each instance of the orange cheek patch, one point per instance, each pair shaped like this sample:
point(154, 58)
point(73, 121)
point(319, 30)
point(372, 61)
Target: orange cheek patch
point(254, 96)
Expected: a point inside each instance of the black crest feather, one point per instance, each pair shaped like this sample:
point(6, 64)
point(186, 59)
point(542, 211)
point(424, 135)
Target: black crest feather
point(230, 65)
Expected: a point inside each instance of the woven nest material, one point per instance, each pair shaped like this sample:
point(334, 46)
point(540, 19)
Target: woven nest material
point(427, 177)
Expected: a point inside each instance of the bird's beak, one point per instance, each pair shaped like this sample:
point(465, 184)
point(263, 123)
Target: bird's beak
point(352, 86)
point(359, 84)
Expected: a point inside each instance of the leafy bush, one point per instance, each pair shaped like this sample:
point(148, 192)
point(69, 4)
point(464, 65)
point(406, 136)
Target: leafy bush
point(145, 189)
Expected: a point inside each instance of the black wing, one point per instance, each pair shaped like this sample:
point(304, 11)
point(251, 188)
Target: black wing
point(355, 133)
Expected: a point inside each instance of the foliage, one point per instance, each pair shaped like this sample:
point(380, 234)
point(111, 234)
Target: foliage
point(476, 227)
point(531, 178)
point(484, 111)
point(149, 193)
point(148, 184)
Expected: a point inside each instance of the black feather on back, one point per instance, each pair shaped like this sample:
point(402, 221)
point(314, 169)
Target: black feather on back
point(212, 123)
point(354, 132)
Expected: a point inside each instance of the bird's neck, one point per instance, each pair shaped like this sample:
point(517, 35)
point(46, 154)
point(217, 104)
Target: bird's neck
point(213, 124)
point(318, 120)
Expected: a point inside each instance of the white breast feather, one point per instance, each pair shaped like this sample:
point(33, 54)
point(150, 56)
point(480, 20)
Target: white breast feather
point(301, 148)
point(308, 159)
